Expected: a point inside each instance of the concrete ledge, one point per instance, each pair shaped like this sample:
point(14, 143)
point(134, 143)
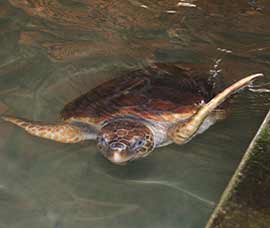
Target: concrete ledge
point(246, 200)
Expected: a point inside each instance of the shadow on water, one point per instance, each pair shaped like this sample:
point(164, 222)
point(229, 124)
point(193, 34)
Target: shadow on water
point(53, 51)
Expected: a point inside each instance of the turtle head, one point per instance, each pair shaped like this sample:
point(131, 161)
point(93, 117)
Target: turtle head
point(125, 140)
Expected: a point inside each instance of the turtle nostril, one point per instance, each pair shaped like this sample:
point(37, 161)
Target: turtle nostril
point(118, 146)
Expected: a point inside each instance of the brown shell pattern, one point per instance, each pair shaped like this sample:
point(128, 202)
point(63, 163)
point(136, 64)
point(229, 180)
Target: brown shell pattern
point(161, 92)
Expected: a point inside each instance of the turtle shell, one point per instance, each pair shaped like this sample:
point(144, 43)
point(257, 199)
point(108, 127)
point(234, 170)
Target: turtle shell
point(162, 92)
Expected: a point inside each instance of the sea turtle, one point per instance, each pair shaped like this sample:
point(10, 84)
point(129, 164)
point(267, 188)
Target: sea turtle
point(130, 116)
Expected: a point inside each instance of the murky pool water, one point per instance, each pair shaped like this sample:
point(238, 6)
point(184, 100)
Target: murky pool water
point(54, 50)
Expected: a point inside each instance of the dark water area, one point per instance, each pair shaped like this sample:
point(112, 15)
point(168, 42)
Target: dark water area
point(53, 51)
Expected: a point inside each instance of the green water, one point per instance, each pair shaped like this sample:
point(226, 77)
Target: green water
point(53, 51)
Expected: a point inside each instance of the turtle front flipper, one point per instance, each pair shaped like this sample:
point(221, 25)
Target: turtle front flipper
point(62, 132)
point(182, 132)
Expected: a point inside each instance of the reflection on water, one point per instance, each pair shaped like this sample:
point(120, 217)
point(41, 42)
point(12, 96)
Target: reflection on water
point(52, 51)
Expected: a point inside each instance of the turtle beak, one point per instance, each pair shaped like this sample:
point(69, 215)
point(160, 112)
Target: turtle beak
point(117, 153)
point(118, 158)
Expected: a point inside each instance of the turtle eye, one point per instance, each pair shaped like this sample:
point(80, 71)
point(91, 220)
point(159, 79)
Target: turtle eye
point(138, 143)
point(102, 141)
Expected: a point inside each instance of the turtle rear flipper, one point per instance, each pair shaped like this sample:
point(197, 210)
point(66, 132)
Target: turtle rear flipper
point(62, 132)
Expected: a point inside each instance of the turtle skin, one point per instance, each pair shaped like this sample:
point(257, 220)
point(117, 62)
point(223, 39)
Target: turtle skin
point(161, 92)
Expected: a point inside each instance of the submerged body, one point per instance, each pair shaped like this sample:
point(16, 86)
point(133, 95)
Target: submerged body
point(132, 115)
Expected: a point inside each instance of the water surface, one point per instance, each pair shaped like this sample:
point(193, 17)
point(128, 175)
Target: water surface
point(53, 51)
